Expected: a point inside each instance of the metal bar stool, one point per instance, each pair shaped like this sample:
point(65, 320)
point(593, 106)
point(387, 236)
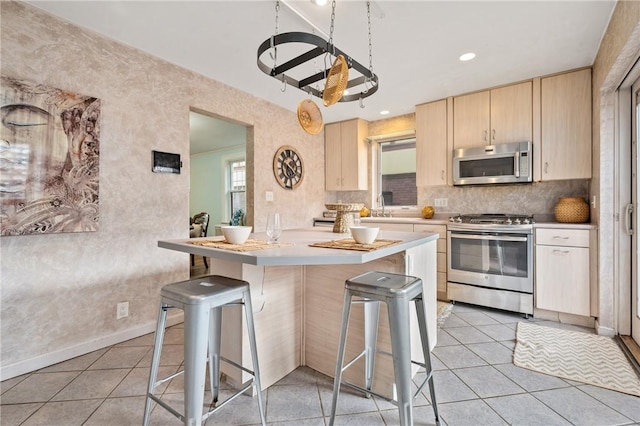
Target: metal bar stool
point(397, 291)
point(202, 300)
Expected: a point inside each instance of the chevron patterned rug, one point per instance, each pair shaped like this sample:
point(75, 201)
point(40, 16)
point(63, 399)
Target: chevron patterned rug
point(587, 358)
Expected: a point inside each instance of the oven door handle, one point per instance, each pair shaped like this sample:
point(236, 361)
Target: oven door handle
point(516, 164)
point(489, 237)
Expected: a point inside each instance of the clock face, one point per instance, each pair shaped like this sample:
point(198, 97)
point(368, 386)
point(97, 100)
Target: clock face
point(288, 167)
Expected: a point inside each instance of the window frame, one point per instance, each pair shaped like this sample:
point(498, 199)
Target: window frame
point(377, 173)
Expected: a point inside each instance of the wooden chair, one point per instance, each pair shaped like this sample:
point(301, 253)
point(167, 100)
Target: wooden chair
point(200, 227)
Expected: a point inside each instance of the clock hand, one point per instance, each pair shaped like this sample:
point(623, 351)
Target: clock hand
point(286, 163)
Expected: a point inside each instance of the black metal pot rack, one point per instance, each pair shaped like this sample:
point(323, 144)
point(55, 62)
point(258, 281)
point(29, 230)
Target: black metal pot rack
point(367, 77)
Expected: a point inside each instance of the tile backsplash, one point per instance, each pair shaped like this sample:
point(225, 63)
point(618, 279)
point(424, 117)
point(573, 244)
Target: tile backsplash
point(538, 198)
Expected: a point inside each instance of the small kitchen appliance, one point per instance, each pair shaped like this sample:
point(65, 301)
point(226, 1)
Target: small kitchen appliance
point(504, 163)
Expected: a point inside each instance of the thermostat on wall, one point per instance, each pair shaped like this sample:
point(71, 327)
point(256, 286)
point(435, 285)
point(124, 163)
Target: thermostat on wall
point(166, 162)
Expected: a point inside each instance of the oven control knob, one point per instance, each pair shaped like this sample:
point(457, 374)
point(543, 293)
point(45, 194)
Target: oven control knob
point(451, 219)
point(459, 219)
point(517, 222)
point(508, 221)
point(526, 221)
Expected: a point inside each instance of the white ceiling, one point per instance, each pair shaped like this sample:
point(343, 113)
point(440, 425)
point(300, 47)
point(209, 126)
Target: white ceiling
point(416, 44)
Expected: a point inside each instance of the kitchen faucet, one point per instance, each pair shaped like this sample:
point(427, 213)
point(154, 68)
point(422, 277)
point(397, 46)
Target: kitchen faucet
point(381, 203)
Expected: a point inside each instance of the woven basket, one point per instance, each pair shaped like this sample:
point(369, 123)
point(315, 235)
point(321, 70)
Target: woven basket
point(572, 210)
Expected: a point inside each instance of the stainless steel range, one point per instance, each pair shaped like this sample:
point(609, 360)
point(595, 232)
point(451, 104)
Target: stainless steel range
point(490, 261)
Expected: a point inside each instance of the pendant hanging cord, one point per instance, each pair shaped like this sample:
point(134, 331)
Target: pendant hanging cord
point(275, 48)
point(333, 18)
point(370, 48)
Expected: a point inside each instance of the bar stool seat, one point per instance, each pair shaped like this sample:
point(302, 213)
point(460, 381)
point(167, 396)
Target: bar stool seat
point(202, 300)
point(397, 291)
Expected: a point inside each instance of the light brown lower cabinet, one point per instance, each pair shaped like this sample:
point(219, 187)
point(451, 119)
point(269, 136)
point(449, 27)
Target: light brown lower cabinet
point(562, 270)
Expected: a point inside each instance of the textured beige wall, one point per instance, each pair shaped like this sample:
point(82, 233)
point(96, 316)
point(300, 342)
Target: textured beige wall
point(618, 51)
point(60, 291)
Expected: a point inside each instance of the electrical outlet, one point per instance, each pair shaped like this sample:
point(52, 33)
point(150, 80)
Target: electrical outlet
point(269, 195)
point(122, 310)
point(441, 202)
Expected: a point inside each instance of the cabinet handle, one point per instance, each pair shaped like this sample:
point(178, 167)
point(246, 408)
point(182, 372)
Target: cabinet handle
point(558, 237)
point(493, 134)
point(484, 135)
point(546, 167)
point(561, 251)
point(442, 175)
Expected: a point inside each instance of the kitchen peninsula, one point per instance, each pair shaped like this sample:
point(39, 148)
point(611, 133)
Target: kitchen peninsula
point(297, 293)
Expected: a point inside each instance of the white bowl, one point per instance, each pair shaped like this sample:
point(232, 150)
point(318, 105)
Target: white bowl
point(236, 234)
point(364, 234)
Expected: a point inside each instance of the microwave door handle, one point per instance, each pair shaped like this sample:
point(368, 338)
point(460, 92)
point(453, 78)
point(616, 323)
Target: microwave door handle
point(516, 164)
point(488, 237)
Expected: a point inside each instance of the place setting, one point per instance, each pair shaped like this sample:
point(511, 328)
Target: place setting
point(363, 239)
point(236, 238)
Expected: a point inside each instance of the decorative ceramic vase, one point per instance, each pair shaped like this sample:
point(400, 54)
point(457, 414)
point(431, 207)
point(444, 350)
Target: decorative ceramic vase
point(572, 210)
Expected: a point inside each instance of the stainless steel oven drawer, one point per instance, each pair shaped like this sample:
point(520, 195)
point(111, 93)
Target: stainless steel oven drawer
point(493, 298)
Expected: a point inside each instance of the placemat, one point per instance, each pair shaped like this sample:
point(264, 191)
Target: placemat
point(249, 245)
point(350, 244)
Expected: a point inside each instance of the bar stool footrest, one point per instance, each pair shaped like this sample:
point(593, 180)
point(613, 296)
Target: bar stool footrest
point(166, 406)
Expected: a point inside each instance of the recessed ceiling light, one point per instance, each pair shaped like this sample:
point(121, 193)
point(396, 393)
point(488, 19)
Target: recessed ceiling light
point(467, 56)
point(319, 2)
point(384, 112)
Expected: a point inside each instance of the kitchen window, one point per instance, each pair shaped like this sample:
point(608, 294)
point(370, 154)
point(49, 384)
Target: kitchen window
point(396, 180)
point(237, 186)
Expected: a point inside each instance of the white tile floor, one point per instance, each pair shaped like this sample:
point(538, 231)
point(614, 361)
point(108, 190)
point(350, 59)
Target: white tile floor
point(476, 384)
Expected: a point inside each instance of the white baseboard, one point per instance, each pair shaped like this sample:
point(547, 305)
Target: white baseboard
point(605, 331)
point(51, 358)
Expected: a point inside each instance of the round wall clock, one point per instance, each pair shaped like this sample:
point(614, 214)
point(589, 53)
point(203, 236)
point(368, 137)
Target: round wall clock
point(288, 167)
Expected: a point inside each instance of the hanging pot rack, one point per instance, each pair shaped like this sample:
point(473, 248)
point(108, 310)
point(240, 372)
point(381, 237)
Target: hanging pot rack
point(320, 47)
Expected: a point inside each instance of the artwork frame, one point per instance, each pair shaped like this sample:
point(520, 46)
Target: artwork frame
point(50, 156)
point(166, 162)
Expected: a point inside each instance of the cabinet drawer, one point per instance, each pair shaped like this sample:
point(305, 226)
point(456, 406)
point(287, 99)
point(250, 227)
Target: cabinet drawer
point(437, 229)
point(402, 227)
point(563, 237)
point(441, 230)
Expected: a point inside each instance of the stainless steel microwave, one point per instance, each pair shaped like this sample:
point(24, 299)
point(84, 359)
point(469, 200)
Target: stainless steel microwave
point(504, 163)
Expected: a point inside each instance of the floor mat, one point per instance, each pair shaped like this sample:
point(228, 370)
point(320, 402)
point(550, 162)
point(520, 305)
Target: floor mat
point(587, 358)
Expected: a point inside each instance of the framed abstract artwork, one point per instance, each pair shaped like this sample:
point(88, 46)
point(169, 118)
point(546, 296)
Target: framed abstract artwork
point(49, 159)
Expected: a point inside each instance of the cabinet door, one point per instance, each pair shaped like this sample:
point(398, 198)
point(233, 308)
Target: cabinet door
point(566, 126)
point(333, 156)
point(511, 114)
point(471, 120)
point(431, 144)
point(354, 165)
point(562, 279)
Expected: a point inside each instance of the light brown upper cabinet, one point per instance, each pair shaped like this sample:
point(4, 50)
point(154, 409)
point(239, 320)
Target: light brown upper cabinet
point(346, 155)
point(502, 115)
point(431, 144)
point(565, 137)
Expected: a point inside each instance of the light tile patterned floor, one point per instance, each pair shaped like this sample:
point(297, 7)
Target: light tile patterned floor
point(476, 384)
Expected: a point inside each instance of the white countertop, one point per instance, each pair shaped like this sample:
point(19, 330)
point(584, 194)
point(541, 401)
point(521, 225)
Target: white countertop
point(436, 221)
point(299, 253)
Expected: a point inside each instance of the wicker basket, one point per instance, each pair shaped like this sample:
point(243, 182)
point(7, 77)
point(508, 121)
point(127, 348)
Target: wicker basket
point(572, 210)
